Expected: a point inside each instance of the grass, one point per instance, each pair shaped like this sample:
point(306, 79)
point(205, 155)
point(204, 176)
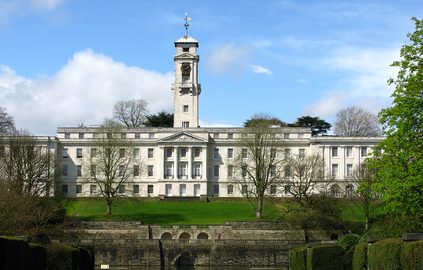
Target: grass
point(165, 212)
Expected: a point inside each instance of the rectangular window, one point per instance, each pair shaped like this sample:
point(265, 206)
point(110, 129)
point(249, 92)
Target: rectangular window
point(230, 171)
point(78, 189)
point(185, 49)
point(216, 135)
point(273, 153)
point(364, 151)
point(185, 124)
point(151, 135)
point(150, 171)
point(197, 170)
point(183, 169)
point(185, 108)
point(107, 153)
point(216, 189)
point(67, 135)
point(197, 151)
point(287, 152)
point(302, 170)
point(64, 189)
point(121, 170)
point(300, 135)
point(137, 135)
point(230, 189)
point(81, 135)
point(123, 135)
point(334, 170)
point(136, 189)
point(93, 152)
point(286, 135)
point(273, 171)
point(244, 170)
point(244, 153)
point(349, 151)
point(287, 189)
point(230, 135)
point(334, 151)
point(79, 170)
point(150, 153)
point(183, 152)
point(93, 189)
point(349, 170)
point(121, 189)
point(244, 189)
point(216, 153)
point(230, 153)
point(273, 189)
point(150, 189)
point(216, 169)
point(93, 171)
point(121, 152)
point(301, 153)
point(65, 153)
point(136, 170)
point(79, 152)
point(65, 170)
point(168, 170)
point(136, 153)
point(287, 171)
point(169, 151)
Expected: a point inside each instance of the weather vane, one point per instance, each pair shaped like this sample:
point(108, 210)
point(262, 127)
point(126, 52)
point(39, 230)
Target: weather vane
point(187, 19)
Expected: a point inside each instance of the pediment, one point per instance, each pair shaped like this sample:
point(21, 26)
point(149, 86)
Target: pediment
point(183, 137)
point(184, 56)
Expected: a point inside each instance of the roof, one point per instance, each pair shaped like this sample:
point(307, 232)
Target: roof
point(186, 39)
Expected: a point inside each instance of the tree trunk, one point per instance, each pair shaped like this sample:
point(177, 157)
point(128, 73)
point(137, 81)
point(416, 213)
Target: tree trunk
point(109, 209)
point(259, 208)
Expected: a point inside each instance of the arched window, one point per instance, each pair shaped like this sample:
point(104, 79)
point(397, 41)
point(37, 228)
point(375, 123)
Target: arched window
point(203, 236)
point(335, 190)
point(184, 236)
point(349, 191)
point(166, 236)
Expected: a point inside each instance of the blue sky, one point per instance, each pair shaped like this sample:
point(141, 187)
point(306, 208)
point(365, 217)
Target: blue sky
point(63, 62)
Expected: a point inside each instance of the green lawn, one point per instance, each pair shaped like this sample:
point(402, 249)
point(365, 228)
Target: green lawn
point(165, 212)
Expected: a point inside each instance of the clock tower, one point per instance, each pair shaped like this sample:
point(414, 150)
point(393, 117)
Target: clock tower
point(186, 88)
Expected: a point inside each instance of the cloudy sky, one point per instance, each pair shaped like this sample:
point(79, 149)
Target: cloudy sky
point(64, 62)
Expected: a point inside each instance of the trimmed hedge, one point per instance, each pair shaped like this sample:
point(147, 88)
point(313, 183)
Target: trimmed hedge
point(349, 240)
point(325, 258)
point(359, 261)
point(385, 255)
point(411, 256)
point(298, 258)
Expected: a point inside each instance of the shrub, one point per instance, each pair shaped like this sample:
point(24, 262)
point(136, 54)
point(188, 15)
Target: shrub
point(359, 261)
point(385, 255)
point(412, 255)
point(298, 258)
point(348, 257)
point(325, 258)
point(349, 240)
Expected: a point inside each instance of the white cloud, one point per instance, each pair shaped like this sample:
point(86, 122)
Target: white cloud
point(228, 58)
point(260, 70)
point(10, 8)
point(214, 124)
point(85, 89)
point(328, 105)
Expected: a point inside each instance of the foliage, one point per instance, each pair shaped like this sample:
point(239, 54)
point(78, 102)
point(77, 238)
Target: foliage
point(318, 126)
point(298, 258)
point(131, 113)
point(412, 255)
point(399, 164)
point(264, 120)
point(325, 258)
point(359, 261)
point(349, 240)
point(7, 123)
point(356, 122)
point(161, 119)
point(385, 254)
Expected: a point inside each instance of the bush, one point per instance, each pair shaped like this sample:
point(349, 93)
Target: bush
point(298, 258)
point(412, 255)
point(348, 258)
point(349, 240)
point(385, 255)
point(325, 258)
point(359, 261)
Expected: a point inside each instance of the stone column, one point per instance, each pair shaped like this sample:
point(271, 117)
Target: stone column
point(189, 169)
point(175, 163)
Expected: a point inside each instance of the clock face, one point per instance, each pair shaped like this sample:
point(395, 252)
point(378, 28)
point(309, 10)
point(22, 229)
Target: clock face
point(186, 68)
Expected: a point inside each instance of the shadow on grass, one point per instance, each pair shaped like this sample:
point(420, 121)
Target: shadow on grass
point(146, 218)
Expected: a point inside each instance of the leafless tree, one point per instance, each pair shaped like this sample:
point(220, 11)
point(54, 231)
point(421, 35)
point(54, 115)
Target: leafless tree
point(7, 124)
point(356, 122)
point(131, 113)
point(258, 163)
point(109, 164)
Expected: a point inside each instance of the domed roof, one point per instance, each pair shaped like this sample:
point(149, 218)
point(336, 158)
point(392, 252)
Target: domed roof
point(186, 39)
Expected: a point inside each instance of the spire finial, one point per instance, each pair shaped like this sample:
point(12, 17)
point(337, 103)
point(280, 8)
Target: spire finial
point(187, 19)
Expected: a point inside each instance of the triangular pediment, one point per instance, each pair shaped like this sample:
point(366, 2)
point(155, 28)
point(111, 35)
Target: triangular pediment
point(184, 56)
point(183, 137)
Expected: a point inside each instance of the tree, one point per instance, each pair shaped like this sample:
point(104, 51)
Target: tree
point(318, 126)
point(109, 164)
point(131, 113)
point(161, 119)
point(399, 164)
point(7, 124)
point(356, 122)
point(259, 163)
point(264, 120)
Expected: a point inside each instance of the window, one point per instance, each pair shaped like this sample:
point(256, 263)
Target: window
point(349, 151)
point(150, 171)
point(67, 135)
point(123, 135)
point(81, 135)
point(273, 171)
point(78, 189)
point(230, 135)
point(216, 170)
point(364, 151)
point(273, 189)
point(216, 153)
point(136, 153)
point(244, 153)
point(349, 191)
point(109, 135)
point(93, 152)
point(185, 49)
point(65, 170)
point(272, 153)
point(121, 170)
point(150, 152)
point(301, 153)
point(334, 151)
point(216, 135)
point(151, 135)
point(136, 170)
point(79, 170)
point(184, 91)
point(136, 189)
point(185, 124)
point(349, 170)
point(107, 152)
point(169, 151)
point(230, 189)
point(335, 190)
point(65, 153)
point(216, 189)
point(64, 189)
point(79, 152)
point(183, 169)
point(300, 135)
point(183, 152)
point(168, 170)
point(197, 170)
point(230, 171)
point(137, 135)
point(197, 151)
point(244, 189)
point(287, 189)
point(93, 171)
point(244, 170)
point(286, 135)
point(150, 189)
point(334, 171)
point(185, 108)
point(230, 153)
point(287, 171)
point(302, 170)
point(93, 189)
point(287, 152)
point(121, 189)
point(121, 152)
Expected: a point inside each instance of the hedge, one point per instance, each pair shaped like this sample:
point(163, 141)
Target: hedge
point(411, 256)
point(349, 240)
point(298, 258)
point(385, 255)
point(325, 258)
point(359, 261)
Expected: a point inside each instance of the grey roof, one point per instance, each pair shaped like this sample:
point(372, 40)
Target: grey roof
point(186, 39)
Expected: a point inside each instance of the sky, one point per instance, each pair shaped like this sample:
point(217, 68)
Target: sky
point(66, 62)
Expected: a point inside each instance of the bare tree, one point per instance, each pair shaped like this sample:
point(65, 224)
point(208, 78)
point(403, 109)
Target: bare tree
point(302, 177)
point(356, 122)
point(7, 124)
point(109, 164)
point(131, 113)
point(259, 163)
